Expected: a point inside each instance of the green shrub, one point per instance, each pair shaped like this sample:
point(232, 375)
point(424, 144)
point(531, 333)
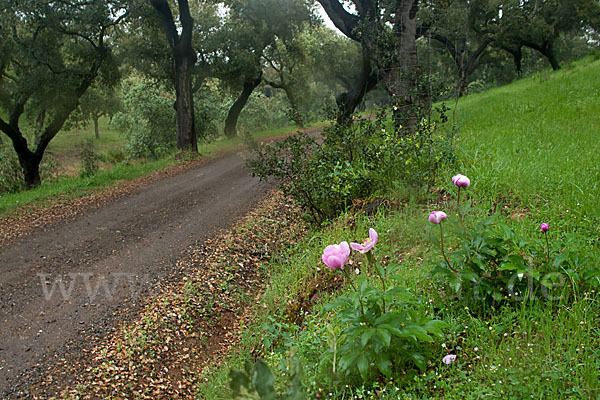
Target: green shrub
point(148, 120)
point(491, 263)
point(257, 382)
point(354, 161)
point(209, 111)
point(384, 328)
point(114, 156)
point(263, 112)
point(89, 159)
point(11, 173)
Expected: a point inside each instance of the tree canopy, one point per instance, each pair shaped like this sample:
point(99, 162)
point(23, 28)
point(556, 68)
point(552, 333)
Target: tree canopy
point(51, 53)
point(60, 61)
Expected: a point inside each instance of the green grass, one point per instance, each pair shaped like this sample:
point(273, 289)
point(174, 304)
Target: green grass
point(78, 186)
point(536, 141)
point(531, 150)
point(67, 142)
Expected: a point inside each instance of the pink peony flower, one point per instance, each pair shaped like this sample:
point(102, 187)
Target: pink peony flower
point(461, 180)
point(367, 244)
point(437, 216)
point(544, 227)
point(336, 255)
point(449, 359)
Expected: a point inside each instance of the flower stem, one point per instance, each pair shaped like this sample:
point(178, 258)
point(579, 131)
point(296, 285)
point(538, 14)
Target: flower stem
point(362, 308)
point(371, 259)
point(547, 248)
point(347, 273)
point(443, 252)
point(460, 216)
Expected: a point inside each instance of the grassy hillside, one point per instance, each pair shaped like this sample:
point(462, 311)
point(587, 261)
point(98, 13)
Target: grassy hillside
point(537, 141)
point(531, 151)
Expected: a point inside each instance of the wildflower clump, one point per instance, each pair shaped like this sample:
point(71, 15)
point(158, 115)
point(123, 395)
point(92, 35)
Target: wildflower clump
point(491, 263)
point(382, 326)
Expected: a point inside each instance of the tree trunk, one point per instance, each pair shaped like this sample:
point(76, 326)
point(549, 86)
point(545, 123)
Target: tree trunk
point(367, 80)
point(31, 170)
point(39, 124)
point(518, 58)
point(184, 103)
point(466, 67)
point(551, 56)
point(463, 81)
point(184, 58)
point(29, 161)
point(238, 105)
point(96, 127)
point(400, 76)
point(294, 113)
point(547, 50)
point(517, 54)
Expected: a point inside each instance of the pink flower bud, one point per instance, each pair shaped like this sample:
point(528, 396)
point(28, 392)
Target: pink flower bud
point(437, 216)
point(461, 180)
point(336, 255)
point(544, 227)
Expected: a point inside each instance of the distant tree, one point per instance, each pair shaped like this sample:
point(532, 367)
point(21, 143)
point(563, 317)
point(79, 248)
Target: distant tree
point(144, 49)
point(462, 28)
point(241, 41)
point(147, 118)
point(248, 33)
point(537, 24)
point(367, 79)
point(343, 66)
point(98, 102)
point(288, 69)
point(249, 84)
point(143, 46)
point(516, 51)
point(51, 54)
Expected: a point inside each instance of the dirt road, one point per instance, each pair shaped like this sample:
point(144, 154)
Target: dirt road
point(70, 280)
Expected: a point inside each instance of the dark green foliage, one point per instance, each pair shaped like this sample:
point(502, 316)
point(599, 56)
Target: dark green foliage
point(263, 112)
point(210, 111)
point(386, 337)
point(95, 103)
point(113, 157)
point(11, 173)
point(89, 159)
point(495, 265)
point(149, 120)
point(257, 382)
point(354, 161)
point(51, 53)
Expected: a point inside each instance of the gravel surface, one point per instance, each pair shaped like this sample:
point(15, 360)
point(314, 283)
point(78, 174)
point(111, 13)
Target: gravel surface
point(74, 277)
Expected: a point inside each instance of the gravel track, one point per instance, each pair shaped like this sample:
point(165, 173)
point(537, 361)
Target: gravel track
point(73, 278)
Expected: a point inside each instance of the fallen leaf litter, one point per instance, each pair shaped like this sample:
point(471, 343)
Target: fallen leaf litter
point(191, 323)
